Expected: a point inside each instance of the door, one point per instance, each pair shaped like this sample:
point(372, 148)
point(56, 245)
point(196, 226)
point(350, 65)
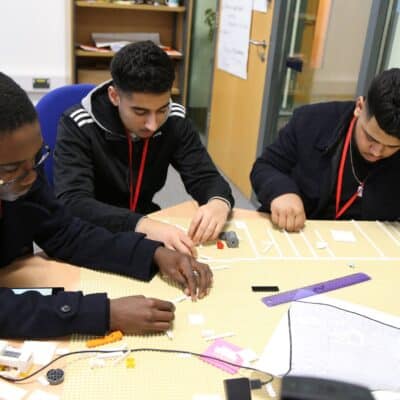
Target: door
point(327, 41)
point(330, 53)
point(236, 109)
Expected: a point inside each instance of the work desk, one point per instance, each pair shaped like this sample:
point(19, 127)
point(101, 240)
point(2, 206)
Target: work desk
point(265, 256)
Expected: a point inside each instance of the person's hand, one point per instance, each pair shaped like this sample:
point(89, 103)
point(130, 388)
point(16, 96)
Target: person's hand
point(195, 278)
point(139, 315)
point(287, 212)
point(173, 237)
point(208, 221)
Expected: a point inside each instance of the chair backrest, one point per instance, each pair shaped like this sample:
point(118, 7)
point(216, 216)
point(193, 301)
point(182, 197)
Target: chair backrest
point(50, 108)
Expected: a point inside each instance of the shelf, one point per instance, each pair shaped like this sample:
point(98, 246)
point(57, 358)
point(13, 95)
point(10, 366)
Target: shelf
point(173, 24)
point(137, 7)
point(97, 76)
point(108, 54)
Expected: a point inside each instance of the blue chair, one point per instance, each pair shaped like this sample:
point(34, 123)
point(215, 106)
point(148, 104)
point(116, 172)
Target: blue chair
point(50, 108)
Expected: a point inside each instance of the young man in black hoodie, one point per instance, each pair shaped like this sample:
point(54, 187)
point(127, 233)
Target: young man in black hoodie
point(29, 212)
point(113, 152)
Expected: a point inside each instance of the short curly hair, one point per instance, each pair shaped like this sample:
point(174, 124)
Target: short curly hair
point(142, 67)
point(383, 101)
point(16, 109)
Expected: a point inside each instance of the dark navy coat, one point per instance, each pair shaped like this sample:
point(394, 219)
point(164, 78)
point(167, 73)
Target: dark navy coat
point(304, 160)
point(39, 217)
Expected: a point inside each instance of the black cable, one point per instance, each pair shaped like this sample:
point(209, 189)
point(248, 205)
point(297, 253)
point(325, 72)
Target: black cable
point(17, 380)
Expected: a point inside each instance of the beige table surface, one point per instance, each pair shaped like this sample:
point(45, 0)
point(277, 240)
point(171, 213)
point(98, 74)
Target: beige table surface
point(265, 256)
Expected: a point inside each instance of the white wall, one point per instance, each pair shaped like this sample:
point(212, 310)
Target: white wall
point(35, 41)
point(338, 75)
point(394, 60)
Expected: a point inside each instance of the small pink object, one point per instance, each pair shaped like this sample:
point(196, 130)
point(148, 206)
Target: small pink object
point(225, 351)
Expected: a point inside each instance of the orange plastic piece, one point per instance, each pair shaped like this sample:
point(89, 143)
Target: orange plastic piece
point(110, 338)
point(220, 245)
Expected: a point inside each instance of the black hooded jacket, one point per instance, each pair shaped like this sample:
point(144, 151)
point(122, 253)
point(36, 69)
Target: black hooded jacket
point(91, 164)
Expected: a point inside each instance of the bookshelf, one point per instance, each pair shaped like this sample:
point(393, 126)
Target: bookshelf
point(172, 23)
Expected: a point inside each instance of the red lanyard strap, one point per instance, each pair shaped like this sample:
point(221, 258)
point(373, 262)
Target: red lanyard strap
point(339, 187)
point(133, 197)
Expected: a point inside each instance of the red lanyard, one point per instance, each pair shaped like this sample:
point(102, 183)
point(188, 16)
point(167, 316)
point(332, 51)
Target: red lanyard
point(339, 187)
point(133, 198)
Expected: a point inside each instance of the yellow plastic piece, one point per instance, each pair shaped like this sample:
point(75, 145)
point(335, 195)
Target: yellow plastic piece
point(130, 362)
point(110, 338)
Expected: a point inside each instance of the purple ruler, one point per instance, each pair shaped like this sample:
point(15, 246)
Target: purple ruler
point(316, 288)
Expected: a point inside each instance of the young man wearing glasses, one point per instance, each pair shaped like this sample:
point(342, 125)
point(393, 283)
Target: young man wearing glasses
point(30, 213)
point(337, 160)
point(113, 152)
point(19, 174)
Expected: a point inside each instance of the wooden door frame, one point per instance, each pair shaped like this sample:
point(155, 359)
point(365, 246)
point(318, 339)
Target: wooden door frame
point(375, 53)
point(275, 74)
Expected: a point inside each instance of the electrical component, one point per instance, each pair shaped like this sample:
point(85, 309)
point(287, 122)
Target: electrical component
point(55, 376)
point(231, 239)
point(237, 389)
point(15, 358)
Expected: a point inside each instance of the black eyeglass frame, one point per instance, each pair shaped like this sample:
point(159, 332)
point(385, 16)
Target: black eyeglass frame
point(46, 151)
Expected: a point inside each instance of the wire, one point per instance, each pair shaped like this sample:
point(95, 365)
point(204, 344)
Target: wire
point(170, 351)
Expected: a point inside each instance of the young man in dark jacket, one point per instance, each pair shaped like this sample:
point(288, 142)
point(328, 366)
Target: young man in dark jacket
point(30, 213)
point(113, 152)
point(337, 160)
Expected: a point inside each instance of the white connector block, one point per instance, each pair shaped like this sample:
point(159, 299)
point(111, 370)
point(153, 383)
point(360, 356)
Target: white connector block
point(14, 357)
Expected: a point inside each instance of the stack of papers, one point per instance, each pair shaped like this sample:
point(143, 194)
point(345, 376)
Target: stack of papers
point(123, 38)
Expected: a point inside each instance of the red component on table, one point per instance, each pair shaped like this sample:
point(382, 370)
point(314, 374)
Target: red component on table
point(220, 245)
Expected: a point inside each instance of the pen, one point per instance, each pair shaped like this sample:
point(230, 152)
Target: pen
point(265, 288)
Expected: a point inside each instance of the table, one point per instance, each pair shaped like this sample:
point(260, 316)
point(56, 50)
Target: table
point(266, 256)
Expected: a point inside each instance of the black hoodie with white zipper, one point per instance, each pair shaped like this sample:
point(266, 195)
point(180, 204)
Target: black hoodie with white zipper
point(91, 163)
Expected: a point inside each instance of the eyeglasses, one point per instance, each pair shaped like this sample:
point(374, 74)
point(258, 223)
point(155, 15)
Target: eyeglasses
point(45, 152)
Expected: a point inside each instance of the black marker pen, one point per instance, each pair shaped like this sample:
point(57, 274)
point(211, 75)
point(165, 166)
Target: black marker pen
point(265, 288)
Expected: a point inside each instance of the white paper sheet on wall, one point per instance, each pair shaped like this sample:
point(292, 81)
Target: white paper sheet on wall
point(260, 5)
point(234, 36)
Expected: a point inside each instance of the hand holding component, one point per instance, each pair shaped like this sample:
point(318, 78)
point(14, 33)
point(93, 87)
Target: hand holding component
point(209, 221)
point(194, 277)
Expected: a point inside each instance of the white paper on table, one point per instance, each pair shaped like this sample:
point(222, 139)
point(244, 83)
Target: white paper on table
point(240, 224)
point(234, 36)
point(336, 340)
point(260, 5)
point(41, 395)
point(196, 319)
point(343, 236)
point(43, 352)
point(11, 392)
